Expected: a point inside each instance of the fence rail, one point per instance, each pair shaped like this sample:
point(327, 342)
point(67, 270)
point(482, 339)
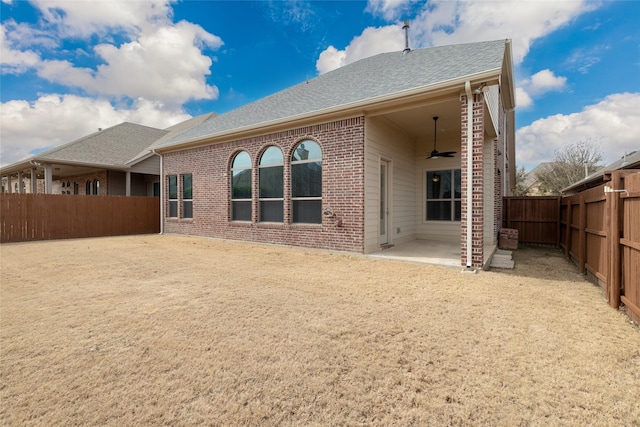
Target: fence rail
point(28, 217)
point(598, 231)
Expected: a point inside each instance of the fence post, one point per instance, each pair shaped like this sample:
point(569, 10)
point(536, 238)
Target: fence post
point(567, 240)
point(582, 224)
point(613, 242)
point(559, 221)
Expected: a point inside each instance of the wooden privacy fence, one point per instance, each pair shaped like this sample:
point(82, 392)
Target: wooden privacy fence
point(537, 219)
point(598, 230)
point(28, 217)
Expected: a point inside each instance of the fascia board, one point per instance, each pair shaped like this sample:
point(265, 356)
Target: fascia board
point(85, 164)
point(139, 159)
point(17, 167)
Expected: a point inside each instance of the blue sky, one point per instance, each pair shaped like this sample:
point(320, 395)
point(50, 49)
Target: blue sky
point(71, 67)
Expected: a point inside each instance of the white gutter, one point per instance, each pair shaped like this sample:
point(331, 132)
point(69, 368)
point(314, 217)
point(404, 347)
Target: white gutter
point(467, 89)
point(505, 137)
point(505, 151)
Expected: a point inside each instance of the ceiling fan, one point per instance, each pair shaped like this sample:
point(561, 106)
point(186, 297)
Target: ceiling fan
point(435, 154)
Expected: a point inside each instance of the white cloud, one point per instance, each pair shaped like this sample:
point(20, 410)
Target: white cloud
point(15, 61)
point(83, 18)
point(54, 119)
point(540, 83)
point(545, 81)
point(446, 23)
point(451, 22)
point(166, 65)
point(371, 42)
point(615, 120)
point(388, 9)
point(582, 60)
point(523, 100)
point(162, 61)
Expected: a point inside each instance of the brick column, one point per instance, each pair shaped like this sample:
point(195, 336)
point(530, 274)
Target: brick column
point(476, 210)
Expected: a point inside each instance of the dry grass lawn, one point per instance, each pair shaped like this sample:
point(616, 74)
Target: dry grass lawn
point(170, 330)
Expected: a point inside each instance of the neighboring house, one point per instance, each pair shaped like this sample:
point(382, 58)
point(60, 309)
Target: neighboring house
point(114, 161)
point(340, 161)
point(531, 182)
point(628, 161)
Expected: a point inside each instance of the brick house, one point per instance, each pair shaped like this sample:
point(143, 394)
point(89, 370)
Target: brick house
point(354, 159)
point(115, 161)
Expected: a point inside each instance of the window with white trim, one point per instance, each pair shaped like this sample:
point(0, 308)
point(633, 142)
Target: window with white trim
point(187, 196)
point(241, 187)
point(172, 186)
point(443, 195)
point(306, 183)
point(270, 184)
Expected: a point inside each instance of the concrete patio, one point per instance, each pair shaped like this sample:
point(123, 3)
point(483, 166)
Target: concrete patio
point(429, 252)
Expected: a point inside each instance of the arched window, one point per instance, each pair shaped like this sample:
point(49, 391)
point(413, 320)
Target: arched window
point(96, 187)
point(241, 187)
point(306, 183)
point(270, 180)
point(87, 189)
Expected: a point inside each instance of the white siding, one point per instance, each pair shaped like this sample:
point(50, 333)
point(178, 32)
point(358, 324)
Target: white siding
point(150, 166)
point(448, 231)
point(493, 104)
point(386, 142)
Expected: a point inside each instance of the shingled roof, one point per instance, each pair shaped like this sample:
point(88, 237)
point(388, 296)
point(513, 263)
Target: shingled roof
point(359, 83)
point(114, 146)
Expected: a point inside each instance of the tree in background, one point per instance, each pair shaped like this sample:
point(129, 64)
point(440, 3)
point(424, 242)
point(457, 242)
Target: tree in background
point(521, 188)
point(570, 165)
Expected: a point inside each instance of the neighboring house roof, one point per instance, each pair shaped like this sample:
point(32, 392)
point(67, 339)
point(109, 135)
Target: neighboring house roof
point(114, 146)
point(118, 147)
point(531, 178)
point(365, 82)
point(109, 148)
point(171, 132)
point(628, 161)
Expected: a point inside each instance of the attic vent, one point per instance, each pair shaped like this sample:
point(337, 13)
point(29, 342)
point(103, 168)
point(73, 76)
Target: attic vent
point(405, 27)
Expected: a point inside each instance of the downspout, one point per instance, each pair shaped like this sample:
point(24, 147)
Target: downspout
point(505, 136)
point(505, 144)
point(467, 89)
point(161, 191)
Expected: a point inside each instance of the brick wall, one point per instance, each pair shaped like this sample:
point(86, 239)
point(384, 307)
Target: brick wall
point(477, 179)
point(342, 144)
point(500, 173)
point(81, 180)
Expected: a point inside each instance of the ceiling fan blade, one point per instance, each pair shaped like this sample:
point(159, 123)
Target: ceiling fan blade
point(436, 154)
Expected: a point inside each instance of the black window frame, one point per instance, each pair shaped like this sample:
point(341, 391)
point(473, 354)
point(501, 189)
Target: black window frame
point(306, 184)
point(447, 200)
point(271, 197)
point(187, 195)
point(172, 202)
point(241, 196)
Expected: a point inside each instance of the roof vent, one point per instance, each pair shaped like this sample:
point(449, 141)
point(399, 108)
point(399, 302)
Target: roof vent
point(405, 27)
